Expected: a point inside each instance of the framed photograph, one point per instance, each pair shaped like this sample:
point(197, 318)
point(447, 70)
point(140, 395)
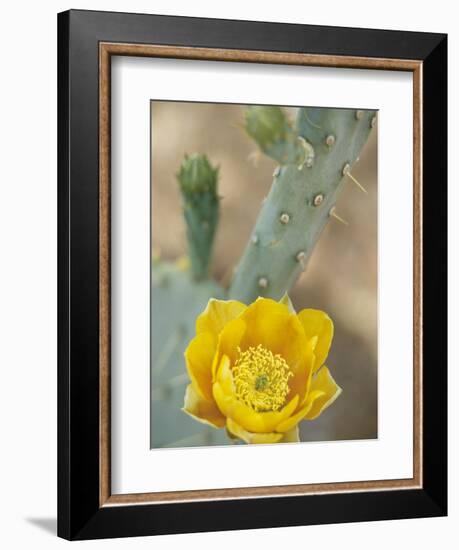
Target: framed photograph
point(252, 274)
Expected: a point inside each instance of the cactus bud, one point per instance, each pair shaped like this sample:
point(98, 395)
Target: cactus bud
point(196, 175)
point(267, 125)
point(198, 184)
point(271, 130)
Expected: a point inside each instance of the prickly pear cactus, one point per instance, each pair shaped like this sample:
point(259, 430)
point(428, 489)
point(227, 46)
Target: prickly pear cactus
point(315, 156)
point(303, 194)
point(180, 292)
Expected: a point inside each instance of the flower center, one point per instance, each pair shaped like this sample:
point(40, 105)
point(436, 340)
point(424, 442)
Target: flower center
point(261, 379)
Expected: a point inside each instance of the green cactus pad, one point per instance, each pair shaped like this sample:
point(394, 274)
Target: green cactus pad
point(176, 300)
point(300, 201)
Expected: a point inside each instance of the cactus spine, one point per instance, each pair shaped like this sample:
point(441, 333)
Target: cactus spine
point(302, 196)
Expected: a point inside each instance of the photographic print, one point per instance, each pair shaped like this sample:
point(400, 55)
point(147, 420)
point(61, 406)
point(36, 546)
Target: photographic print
point(263, 274)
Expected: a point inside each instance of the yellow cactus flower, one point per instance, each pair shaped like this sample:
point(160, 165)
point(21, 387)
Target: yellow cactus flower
point(258, 370)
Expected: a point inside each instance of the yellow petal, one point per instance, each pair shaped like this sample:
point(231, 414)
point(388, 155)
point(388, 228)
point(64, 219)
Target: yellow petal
point(291, 422)
point(272, 325)
point(202, 410)
point(292, 436)
point(295, 349)
point(249, 437)
point(322, 382)
point(217, 314)
point(302, 369)
point(317, 323)
point(323, 392)
point(267, 321)
point(252, 421)
point(225, 376)
point(229, 342)
point(198, 357)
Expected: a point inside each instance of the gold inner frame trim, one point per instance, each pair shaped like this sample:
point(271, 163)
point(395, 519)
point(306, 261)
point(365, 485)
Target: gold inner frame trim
point(106, 51)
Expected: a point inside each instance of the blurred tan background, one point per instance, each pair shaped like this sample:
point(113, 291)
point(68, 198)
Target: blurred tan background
point(341, 277)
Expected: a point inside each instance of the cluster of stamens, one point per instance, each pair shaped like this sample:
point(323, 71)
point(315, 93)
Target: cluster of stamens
point(261, 379)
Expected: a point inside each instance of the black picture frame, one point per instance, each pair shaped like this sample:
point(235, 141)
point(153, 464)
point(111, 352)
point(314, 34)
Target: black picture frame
point(80, 515)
